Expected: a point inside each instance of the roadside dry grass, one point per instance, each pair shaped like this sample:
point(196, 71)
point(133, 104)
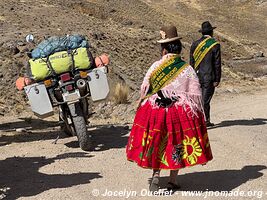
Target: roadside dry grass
point(121, 93)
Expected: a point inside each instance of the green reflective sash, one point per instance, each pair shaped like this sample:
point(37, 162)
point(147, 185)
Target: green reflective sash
point(202, 49)
point(165, 73)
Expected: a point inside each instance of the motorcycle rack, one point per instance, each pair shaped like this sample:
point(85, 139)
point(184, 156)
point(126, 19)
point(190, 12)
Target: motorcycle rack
point(61, 103)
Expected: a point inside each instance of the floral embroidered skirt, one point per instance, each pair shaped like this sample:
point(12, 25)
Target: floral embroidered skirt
point(168, 138)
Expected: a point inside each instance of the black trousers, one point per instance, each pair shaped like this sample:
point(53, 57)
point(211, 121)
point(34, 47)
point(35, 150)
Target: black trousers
point(207, 93)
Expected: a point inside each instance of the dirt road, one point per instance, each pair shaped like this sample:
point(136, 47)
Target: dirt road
point(31, 167)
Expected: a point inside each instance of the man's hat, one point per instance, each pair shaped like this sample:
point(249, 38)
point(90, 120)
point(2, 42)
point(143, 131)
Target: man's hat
point(168, 34)
point(206, 27)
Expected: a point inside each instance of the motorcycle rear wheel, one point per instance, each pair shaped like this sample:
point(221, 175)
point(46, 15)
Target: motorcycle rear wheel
point(78, 118)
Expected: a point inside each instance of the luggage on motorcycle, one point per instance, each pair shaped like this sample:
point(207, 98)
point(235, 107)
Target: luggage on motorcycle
point(56, 44)
point(82, 58)
point(60, 62)
point(39, 69)
point(102, 60)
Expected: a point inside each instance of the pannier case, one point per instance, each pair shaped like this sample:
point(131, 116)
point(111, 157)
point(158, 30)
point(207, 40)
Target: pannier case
point(39, 100)
point(98, 84)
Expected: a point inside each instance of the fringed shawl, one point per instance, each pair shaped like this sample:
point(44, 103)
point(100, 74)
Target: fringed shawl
point(185, 87)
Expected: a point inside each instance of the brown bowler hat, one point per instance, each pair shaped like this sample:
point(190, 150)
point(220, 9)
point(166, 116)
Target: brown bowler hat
point(168, 34)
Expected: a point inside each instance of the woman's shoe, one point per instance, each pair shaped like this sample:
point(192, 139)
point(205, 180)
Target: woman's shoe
point(154, 185)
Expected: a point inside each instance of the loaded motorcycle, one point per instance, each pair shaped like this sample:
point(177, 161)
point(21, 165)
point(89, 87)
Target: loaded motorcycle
point(68, 89)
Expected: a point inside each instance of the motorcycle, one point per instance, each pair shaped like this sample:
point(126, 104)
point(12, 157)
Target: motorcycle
point(69, 92)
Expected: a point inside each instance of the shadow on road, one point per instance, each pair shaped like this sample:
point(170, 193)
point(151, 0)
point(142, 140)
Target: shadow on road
point(33, 132)
point(20, 176)
point(30, 137)
point(106, 137)
point(33, 124)
point(223, 180)
point(242, 122)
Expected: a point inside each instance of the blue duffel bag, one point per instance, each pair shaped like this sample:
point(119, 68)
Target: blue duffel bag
point(56, 44)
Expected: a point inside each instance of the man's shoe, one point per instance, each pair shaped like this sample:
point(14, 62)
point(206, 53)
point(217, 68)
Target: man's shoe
point(209, 124)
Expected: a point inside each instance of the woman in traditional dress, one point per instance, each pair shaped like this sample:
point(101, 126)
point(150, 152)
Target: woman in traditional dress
point(169, 130)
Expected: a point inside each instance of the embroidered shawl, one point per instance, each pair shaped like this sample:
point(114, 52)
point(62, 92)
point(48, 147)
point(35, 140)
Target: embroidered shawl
point(185, 86)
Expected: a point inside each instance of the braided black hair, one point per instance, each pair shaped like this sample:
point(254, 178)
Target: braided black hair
point(172, 47)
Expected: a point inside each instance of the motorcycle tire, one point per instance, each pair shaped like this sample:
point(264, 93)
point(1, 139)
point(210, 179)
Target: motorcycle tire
point(84, 139)
point(68, 129)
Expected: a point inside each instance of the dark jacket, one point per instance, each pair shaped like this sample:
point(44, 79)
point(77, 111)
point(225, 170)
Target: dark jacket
point(209, 69)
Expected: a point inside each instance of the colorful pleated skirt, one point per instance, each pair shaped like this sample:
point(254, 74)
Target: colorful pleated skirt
point(168, 138)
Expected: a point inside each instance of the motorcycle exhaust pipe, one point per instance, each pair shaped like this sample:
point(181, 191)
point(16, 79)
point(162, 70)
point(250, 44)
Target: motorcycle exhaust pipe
point(81, 84)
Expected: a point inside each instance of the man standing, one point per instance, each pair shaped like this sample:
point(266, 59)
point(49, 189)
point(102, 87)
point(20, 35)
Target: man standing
point(205, 57)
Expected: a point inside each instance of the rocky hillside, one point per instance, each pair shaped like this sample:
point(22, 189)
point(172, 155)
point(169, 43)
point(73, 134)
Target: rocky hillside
point(128, 31)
